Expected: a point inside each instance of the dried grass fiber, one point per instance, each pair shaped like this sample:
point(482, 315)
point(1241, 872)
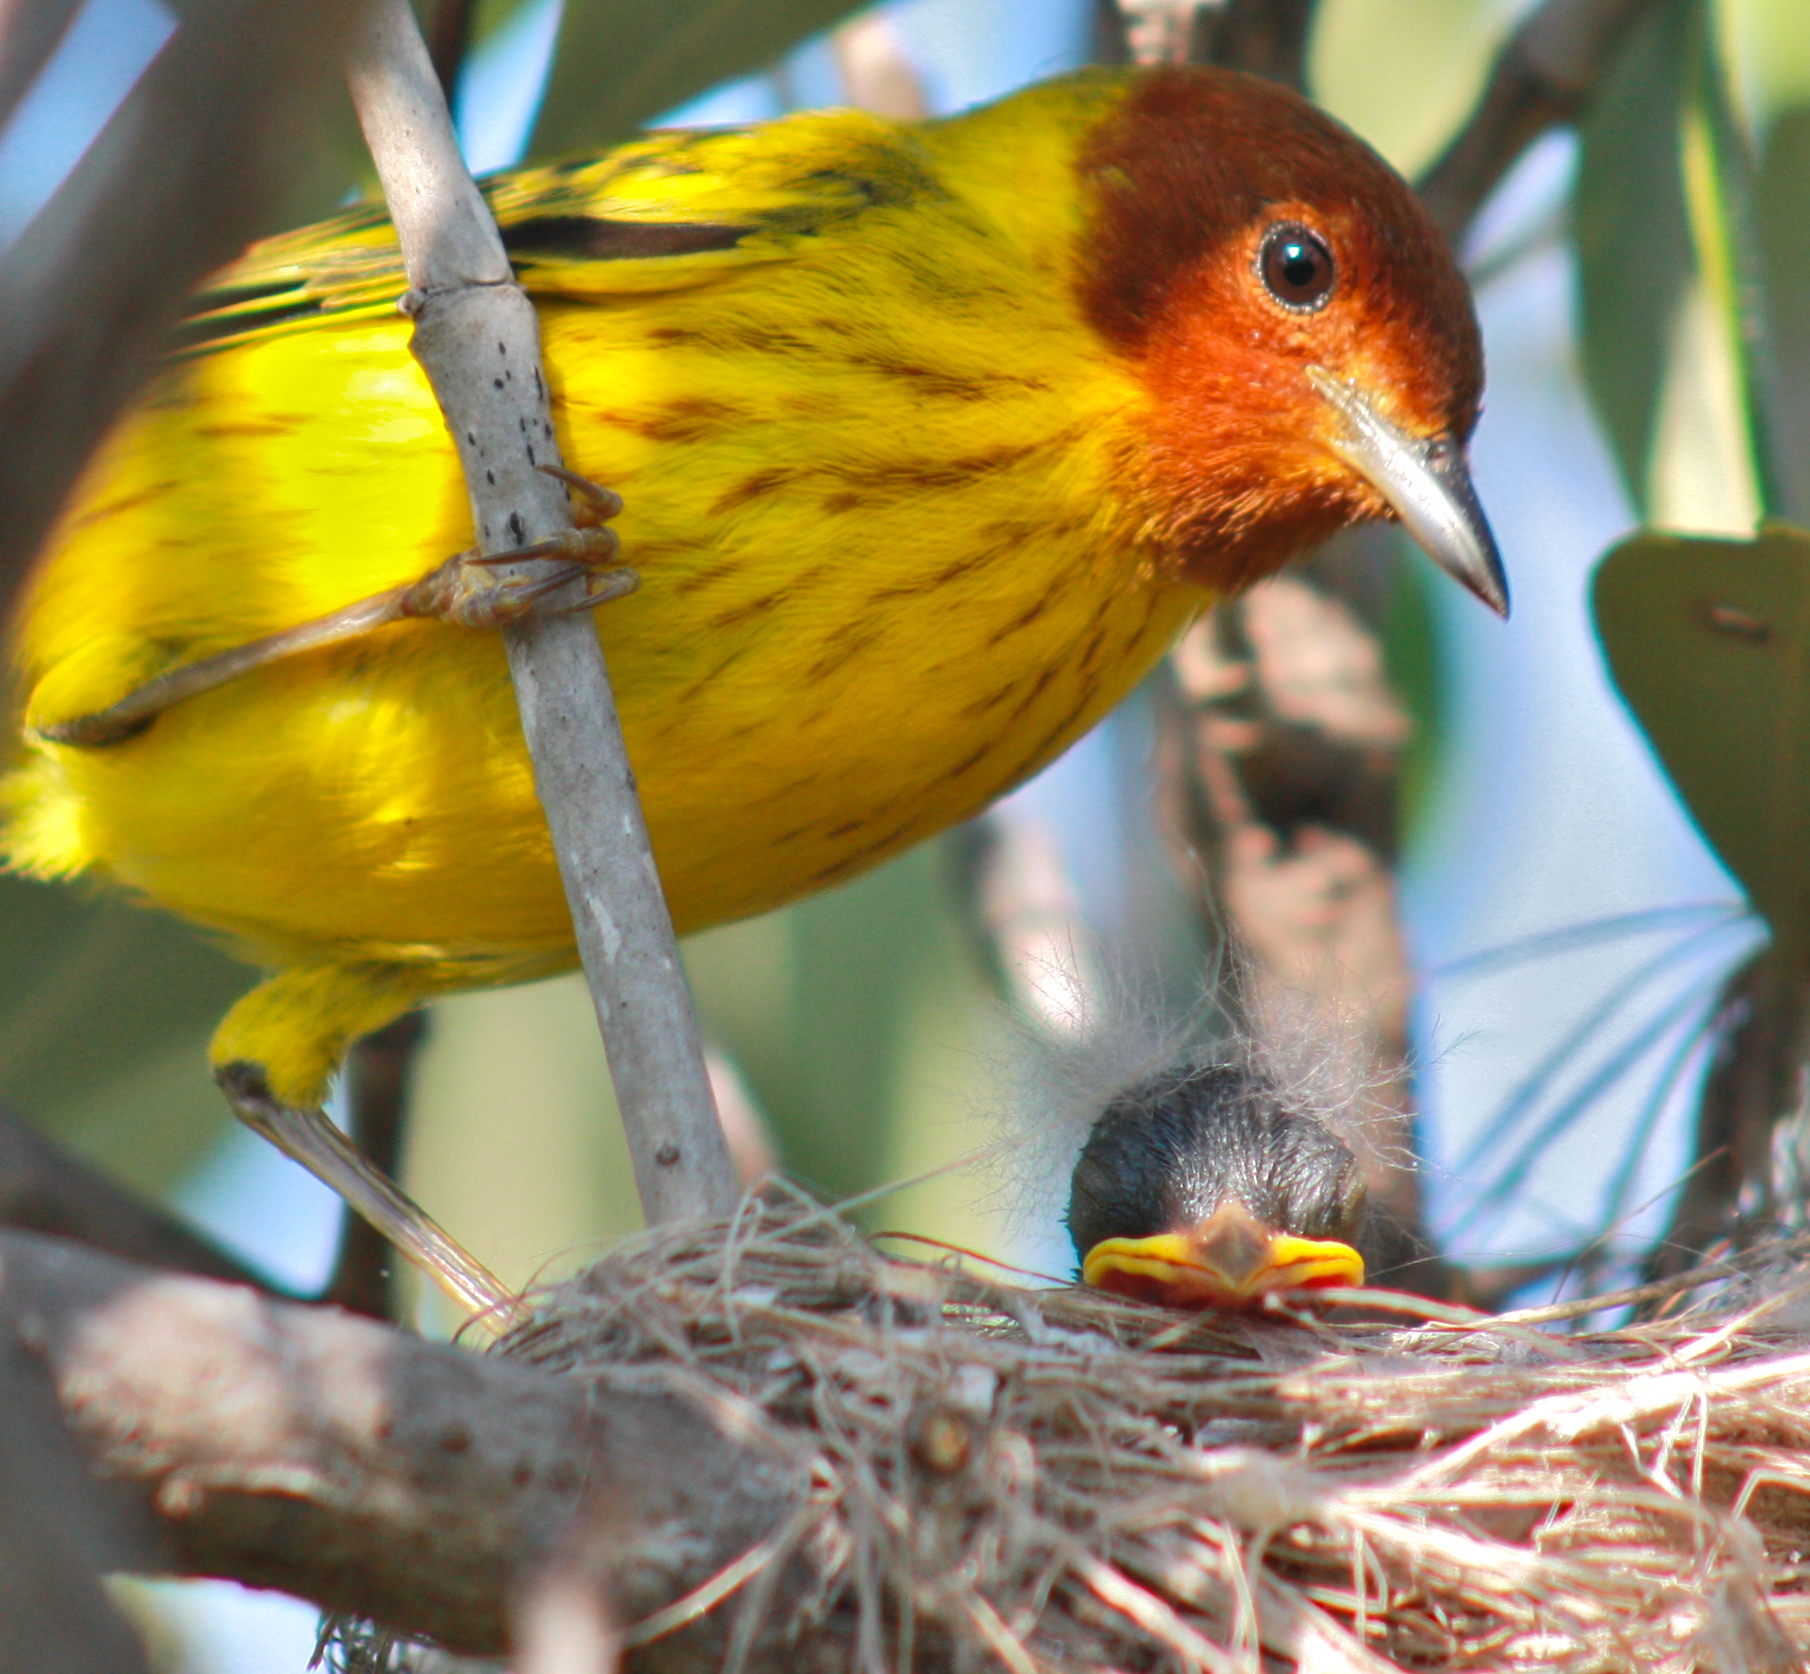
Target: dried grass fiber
point(1042, 1479)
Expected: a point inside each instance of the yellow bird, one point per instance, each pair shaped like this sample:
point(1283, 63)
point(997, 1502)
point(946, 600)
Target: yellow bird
point(932, 437)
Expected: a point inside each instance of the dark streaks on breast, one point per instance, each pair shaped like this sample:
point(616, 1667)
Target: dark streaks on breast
point(1035, 758)
point(747, 612)
point(753, 488)
point(945, 383)
point(1028, 701)
point(704, 682)
point(858, 484)
point(687, 420)
point(856, 858)
point(701, 579)
point(845, 645)
point(1024, 618)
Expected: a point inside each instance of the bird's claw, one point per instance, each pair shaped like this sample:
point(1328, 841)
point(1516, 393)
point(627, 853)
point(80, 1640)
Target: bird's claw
point(452, 593)
point(597, 504)
point(459, 592)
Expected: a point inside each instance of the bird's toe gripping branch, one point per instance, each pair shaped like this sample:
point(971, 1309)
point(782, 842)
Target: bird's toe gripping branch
point(272, 1058)
point(462, 590)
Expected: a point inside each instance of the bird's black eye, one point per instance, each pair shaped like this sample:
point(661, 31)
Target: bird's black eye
point(1297, 267)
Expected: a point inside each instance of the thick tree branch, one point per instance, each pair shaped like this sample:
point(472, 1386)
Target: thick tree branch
point(477, 339)
point(301, 1448)
point(58, 1530)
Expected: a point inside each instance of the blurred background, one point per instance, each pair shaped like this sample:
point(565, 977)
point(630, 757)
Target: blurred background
point(1548, 954)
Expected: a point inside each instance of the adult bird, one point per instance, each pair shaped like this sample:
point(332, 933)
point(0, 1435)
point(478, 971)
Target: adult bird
point(1204, 1188)
point(932, 437)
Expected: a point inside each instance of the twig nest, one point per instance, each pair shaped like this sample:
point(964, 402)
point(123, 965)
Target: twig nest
point(1057, 1480)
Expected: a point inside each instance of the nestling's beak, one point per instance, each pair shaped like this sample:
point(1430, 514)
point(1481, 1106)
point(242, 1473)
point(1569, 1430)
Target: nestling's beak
point(1231, 1261)
point(1428, 484)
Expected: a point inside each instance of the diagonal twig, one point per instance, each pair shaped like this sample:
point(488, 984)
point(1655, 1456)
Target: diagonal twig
point(477, 339)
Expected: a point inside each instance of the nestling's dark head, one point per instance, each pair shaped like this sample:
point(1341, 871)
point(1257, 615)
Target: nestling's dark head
point(1201, 1188)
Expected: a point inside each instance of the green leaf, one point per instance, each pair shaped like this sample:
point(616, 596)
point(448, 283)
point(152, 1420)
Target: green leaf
point(1708, 642)
point(1635, 257)
point(620, 63)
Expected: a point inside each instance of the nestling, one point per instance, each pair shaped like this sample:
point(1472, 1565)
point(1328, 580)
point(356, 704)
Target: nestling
point(1202, 1188)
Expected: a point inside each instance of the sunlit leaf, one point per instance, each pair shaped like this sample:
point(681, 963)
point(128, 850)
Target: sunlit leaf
point(1633, 233)
point(1709, 645)
point(620, 63)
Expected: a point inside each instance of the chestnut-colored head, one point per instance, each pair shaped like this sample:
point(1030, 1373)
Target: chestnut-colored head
point(1306, 338)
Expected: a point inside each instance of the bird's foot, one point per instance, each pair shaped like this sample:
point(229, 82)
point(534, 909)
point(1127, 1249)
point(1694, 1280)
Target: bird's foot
point(309, 1138)
point(461, 590)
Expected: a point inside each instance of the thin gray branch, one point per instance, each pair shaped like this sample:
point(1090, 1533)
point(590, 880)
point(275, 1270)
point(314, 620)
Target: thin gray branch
point(305, 1449)
point(186, 172)
point(477, 339)
point(1542, 79)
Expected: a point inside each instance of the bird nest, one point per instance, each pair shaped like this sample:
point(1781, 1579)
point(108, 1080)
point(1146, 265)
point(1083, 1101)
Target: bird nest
point(1052, 1479)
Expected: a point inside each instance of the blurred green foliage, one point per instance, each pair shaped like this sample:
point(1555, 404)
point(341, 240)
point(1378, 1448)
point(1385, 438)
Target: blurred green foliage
point(818, 1006)
point(1634, 251)
point(1783, 206)
point(1705, 637)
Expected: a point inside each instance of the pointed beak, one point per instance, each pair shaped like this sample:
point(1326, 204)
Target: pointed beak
point(1229, 1261)
point(1428, 484)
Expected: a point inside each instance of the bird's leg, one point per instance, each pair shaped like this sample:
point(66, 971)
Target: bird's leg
point(308, 1137)
point(461, 590)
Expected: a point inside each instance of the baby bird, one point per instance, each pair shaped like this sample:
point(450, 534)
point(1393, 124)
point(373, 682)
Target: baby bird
point(1201, 1188)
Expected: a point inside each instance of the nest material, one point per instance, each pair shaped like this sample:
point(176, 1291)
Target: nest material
point(1056, 1480)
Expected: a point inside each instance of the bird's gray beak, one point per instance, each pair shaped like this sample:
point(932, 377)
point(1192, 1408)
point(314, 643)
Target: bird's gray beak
point(1428, 484)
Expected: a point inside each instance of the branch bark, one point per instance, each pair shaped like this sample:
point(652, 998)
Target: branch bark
point(58, 1530)
point(297, 1447)
point(477, 339)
